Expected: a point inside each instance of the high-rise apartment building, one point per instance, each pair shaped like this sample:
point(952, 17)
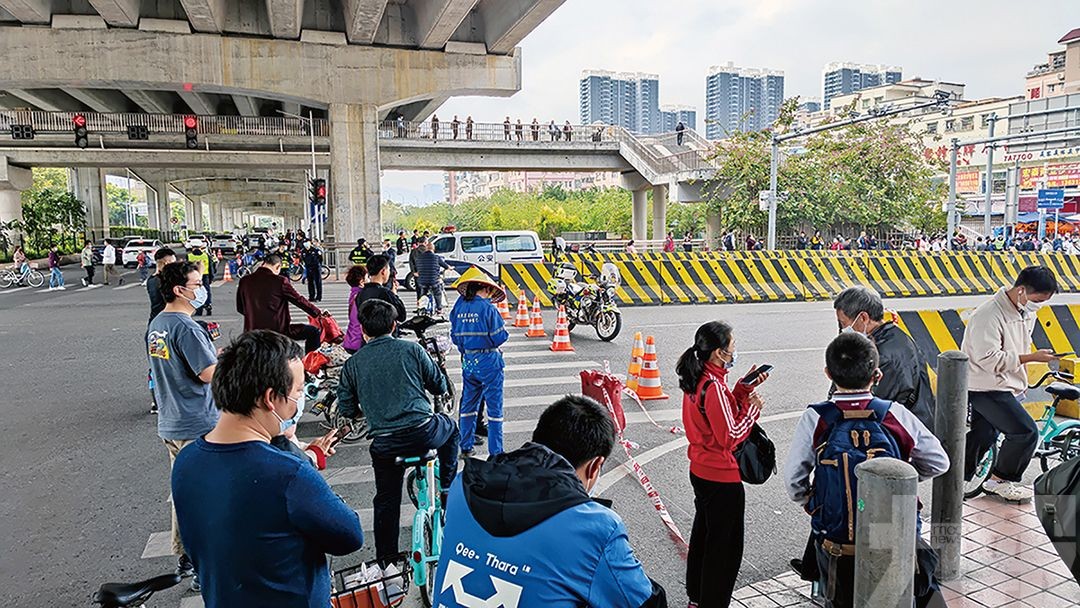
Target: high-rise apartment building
point(670, 116)
point(629, 100)
point(846, 78)
point(741, 99)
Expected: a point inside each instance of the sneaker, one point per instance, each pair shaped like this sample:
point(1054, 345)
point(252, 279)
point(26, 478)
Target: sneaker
point(83, 282)
point(478, 439)
point(195, 586)
point(153, 407)
point(466, 454)
point(1008, 490)
point(61, 288)
point(184, 567)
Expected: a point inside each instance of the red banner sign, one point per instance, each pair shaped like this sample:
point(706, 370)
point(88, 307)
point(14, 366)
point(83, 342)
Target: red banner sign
point(1052, 176)
point(968, 182)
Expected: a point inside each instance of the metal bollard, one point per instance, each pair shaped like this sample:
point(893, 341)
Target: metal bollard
point(885, 534)
point(950, 426)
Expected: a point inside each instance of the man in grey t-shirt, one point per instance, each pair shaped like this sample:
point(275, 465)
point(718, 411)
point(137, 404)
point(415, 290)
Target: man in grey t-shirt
point(182, 362)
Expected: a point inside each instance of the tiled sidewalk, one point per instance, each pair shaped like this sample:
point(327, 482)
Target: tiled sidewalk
point(1007, 561)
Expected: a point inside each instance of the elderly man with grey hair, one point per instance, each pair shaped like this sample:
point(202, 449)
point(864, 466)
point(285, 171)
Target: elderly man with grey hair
point(904, 378)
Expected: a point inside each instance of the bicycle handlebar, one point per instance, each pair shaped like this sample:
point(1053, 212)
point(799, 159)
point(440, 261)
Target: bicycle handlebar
point(1056, 374)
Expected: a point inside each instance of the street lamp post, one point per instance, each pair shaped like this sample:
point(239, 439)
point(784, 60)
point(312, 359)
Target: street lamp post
point(992, 119)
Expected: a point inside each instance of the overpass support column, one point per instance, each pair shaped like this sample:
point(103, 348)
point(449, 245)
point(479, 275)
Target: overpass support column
point(88, 184)
point(196, 223)
point(659, 212)
point(13, 180)
point(161, 204)
point(712, 228)
point(354, 173)
point(639, 214)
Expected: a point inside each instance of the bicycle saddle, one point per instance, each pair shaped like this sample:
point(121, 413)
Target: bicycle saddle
point(1064, 391)
point(121, 595)
point(417, 460)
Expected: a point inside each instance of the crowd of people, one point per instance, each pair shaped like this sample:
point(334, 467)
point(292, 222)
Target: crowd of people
point(227, 420)
point(515, 130)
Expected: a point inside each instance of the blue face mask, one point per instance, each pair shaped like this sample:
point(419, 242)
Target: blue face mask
point(730, 364)
point(200, 297)
point(286, 424)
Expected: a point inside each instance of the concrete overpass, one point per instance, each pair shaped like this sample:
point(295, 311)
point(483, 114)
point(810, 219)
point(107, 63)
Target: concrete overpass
point(248, 148)
point(349, 62)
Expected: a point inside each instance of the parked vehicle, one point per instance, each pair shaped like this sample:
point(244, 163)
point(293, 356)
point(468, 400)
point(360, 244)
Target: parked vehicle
point(132, 249)
point(486, 249)
point(197, 240)
point(225, 243)
point(588, 303)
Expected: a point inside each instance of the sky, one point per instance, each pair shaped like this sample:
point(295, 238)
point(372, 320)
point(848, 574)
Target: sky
point(989, 45)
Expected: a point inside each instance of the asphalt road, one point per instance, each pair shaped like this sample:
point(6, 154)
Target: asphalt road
point(85, 478)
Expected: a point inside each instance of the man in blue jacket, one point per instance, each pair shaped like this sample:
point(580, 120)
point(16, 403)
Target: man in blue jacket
point(477, 329)
point(522, 531)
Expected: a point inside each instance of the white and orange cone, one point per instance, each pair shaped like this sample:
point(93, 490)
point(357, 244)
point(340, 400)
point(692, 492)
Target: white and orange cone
point(522, 319)
point(560, 342)
point(536, 327)
point(649, 388)
point(228, 275)
point(504, 309)
point(636, 354)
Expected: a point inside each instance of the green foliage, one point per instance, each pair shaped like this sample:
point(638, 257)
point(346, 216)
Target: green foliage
point(119, 199)
point(52, 216)
point(872, 174)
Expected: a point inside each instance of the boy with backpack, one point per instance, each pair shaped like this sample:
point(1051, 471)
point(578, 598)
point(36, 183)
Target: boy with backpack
point(143, 261)
point(832, 438)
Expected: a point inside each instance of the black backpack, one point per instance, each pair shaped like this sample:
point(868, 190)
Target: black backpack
point(756, 455)
point(1056, 494)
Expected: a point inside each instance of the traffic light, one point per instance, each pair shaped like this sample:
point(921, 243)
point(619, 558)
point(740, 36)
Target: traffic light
point(81, 139)
point(191, 132)
point(318, 191)
point(22, 132)
point(138, 132)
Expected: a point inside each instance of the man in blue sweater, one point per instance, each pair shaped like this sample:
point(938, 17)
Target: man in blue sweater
point(257, 521)
point(429, 267)
point(390, 379)
point(522, 531)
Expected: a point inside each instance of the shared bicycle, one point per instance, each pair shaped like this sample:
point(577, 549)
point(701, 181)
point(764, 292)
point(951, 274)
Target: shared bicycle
point(1058, 441)
point(427, 527)
point(15, 277)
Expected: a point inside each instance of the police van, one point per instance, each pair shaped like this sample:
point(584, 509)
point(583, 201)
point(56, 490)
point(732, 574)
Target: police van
point(487, 249)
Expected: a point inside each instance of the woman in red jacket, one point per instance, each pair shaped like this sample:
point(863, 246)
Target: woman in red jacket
point(715, 426)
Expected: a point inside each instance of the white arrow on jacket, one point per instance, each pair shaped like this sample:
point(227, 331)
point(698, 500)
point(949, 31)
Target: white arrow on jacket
point(506, 594)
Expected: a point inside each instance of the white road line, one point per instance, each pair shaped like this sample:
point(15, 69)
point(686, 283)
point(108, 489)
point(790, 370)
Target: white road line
point(548, 381)
point(89, 287)
point(810, 349)
point(128, 286)
point(17, 289)
point(525, 367)
point(608, 479)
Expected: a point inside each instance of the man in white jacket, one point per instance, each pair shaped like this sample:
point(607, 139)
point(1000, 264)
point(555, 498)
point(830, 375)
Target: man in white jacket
point(108, 260)
point(997, 341)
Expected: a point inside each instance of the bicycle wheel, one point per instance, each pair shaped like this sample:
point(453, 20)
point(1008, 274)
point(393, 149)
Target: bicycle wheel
point(325, 272)
point(410, 488)
point(974, 486)
point(6, 279)
point(295, 273)
point(242, 271)
point(359, 427)
point(1063, 447)
point(447, 402)
point(35, 278)
point(430, 563)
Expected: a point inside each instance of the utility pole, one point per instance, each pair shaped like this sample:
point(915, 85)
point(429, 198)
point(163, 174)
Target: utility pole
point(774, 168)
point(951, 207)
point(992, 119)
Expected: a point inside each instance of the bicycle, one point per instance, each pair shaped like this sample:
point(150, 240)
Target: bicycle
point(437, 347)
point(133, 595)
point(427, 531)
point(14, 277)
point(1058, 441)
point(298, 272)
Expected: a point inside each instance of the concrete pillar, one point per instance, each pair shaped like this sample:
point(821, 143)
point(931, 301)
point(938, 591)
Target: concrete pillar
point(88, 184)
point(215, 217)
point(712, 228)
point(354, 172)
point(659, 212)
point(196, 223)
point(238, 218)
point(13, 180)
point(161, 204)
point(638, 214)
point(153, 218)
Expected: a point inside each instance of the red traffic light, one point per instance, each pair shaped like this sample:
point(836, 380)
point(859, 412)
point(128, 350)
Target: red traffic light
point(190, 122)
point(320, 191)
point(78, 120)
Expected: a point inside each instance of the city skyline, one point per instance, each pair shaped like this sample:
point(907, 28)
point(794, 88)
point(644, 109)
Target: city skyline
point(795, 36)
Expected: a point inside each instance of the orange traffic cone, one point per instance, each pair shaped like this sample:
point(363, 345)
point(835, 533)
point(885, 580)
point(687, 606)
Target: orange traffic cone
point(560, 342)
point(636, 353)
point(649, 383)
point(536, 327)
point(504, 310)
point(522, 319)
point(228, 275)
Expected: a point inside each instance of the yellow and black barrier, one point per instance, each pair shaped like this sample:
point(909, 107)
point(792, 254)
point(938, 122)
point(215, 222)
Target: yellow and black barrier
point(782, 276)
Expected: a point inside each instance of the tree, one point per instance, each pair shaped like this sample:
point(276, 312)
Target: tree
point(871, 175)
point(119, 200)
point(53, 216)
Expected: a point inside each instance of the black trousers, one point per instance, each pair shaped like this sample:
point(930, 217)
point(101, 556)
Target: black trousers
point(716, 542)
point(837, 577)
point(440, 433)
point(994, 412)
point(314, 284)
point(311, 335)
point(89, 274)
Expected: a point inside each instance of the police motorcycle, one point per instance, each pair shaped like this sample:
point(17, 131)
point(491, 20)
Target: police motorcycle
point(588, 303)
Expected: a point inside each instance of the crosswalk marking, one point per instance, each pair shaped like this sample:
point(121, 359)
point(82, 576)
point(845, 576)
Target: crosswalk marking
point(16, 289)
point(455, 366)
point(128, 286)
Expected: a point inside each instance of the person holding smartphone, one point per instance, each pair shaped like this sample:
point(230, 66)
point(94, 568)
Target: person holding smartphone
point(717, 419)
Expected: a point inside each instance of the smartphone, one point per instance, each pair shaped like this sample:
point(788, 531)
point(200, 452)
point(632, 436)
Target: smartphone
point(340, 434)
point(1064, 354)
point(751, 377)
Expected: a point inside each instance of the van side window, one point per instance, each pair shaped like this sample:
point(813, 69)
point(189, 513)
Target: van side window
point(476, 244)
point(444, 245)
point(515, 242)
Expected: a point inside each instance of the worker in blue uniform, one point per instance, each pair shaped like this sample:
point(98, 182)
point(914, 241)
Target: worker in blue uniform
point(476, 328)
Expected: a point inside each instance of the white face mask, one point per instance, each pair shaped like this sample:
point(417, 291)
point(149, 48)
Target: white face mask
point(1029, 306)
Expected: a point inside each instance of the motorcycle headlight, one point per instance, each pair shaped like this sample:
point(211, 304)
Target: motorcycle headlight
point(611, 292)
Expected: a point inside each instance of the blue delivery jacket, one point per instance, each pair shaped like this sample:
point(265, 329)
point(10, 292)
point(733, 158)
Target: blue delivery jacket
point(522, 532)
point(476, 325)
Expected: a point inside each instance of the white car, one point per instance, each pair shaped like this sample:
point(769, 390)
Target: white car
point(197, 240)
point(225, 243)
point(134, 246)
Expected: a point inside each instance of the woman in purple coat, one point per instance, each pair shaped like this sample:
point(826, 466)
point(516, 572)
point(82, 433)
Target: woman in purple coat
point(354, 338)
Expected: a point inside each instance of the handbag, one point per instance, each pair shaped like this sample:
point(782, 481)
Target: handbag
point(756, 455)
point(329, 329)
